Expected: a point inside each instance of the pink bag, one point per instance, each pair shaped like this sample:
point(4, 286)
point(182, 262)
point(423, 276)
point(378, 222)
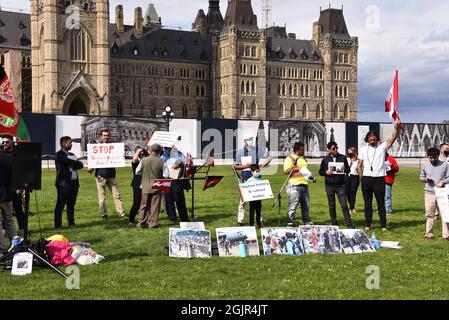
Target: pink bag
point(59, 253)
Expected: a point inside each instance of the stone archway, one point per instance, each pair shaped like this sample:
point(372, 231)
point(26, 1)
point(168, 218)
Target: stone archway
point(80, 101)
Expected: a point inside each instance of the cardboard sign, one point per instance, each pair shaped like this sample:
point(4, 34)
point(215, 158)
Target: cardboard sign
point(442, 195)
point(105, 155)
point(164, 138)
point(22, 264)
point(253, 191)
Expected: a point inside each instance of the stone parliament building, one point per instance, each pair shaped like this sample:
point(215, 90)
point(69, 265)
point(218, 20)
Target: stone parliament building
point(66, 57)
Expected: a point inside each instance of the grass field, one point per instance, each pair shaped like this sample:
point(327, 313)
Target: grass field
point(137, 266)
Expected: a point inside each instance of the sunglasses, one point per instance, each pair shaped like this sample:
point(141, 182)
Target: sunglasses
point(334, 148)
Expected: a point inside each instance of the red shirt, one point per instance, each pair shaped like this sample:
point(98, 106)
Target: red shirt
point(389, 178)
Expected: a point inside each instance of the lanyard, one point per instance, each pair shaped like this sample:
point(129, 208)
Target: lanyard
point(374, 157)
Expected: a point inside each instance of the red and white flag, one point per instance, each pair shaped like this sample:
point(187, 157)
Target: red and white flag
point(162, 184)
point(392, 100)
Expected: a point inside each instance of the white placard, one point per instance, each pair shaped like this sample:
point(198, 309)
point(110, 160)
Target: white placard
point(197, 225)
point(361, 132)
point(253, 191)
point(247, 160)
point(337, 167)
point(22, 264)
point(164, 138)
point(105, 155)
point(442, 195)
point(306, 174)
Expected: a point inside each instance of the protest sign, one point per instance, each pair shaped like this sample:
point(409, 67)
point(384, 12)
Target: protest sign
point(164, 138)
point(105, 155)
point(253, 191)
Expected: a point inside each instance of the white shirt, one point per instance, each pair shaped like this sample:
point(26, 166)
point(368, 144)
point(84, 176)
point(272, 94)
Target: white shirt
point(374, 160)
point(353, 171)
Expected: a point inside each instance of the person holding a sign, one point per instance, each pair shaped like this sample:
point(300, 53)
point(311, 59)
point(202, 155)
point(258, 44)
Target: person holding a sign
point(139, 154)
point(334, 167)
point(67, 184)
point(295, 167)
point(435, 173)
point(244, 158)
point(373, 169)
point(105, 177)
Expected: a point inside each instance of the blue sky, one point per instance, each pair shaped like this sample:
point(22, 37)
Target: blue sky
point(409, 35)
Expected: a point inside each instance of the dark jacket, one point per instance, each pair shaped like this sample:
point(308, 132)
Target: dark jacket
point(63, 166)
point(336, 179)
point(6, 194)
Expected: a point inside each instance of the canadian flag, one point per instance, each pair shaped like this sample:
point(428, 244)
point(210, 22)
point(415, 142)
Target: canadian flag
point(392, 100)
point(162, 184)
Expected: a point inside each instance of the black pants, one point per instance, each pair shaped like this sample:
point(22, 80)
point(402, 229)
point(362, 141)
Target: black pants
point(376, 186)
point(18, 209)
point(255, 207)
point(66, 196)
point(352, 185)
point(175, 199)
point(137, 198)
point(331, 191)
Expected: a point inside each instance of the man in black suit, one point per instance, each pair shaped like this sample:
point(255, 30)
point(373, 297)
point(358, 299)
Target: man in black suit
point(66, 182)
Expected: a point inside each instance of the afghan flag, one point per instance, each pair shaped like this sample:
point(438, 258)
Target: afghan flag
point(10, 121)
point(212, 181)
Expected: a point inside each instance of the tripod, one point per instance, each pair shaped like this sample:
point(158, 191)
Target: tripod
point(25, 244)
point(279, 197)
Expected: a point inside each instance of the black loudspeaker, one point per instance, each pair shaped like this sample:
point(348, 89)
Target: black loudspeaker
point(27, 166)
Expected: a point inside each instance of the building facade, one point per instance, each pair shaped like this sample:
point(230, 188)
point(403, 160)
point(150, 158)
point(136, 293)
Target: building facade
point(226, 67)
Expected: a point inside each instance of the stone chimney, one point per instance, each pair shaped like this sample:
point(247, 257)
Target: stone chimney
point(119, 18)
point(138, 20)
point(292, 35)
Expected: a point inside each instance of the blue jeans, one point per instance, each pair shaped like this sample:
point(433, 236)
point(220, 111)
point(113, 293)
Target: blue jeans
point(388, 199)
point(298, 194)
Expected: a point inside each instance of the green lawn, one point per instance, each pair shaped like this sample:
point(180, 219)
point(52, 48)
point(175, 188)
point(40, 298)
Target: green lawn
point(137, 266)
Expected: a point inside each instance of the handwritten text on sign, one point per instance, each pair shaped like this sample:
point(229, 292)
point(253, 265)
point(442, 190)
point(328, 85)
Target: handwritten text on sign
point(106, 155)
point(164, 138)
point(252, 191)
point(442, 195)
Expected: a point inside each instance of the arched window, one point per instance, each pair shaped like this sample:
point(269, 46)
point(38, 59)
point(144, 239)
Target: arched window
point(247, 87)
point(283, 89)
point(254, 109)
point(269, 89)
point(182, 90)
point(203, 91)
point(336, 92)
point(295, 90)
point(242, 87)
point(185, 111)
point(281, 110)
point(292, 111)
point(318, 112)
point(305, 113)
point(242, 109)
point(290, 90)
point(172, 90)
point(306, 94)
point(253, 88)
point(346, 112)
point(336, 112)
point(153, 111)
point(279, 89)
point(197, 91)
point(166, 90)
point(321, 91)
point(346, 91)
point(200, 112)
point(78, 45)
point(119, 109)
point(150, 89)
point(187, 91)
point(302, 91)
point(340, 92)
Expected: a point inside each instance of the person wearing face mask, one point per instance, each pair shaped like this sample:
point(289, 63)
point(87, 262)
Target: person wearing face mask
point(243, 160)
point(444, 152)
point(353, 179)
point(335, 183)
point(255, 206)
point(373, 170)
point(435, 173)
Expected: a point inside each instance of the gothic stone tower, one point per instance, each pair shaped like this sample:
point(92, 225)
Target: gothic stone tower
point(239, 64)
point(340, 54)
point(70, 56)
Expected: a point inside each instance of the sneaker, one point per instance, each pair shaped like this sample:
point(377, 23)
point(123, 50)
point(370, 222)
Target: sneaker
point(262, 224)
point(131, 224)
point(239, 224)
point(289, 225)
point(104, 216)
point(446, 239)
point(384, 229)
point(428, 238)
point(122, 215)
point(367, 228)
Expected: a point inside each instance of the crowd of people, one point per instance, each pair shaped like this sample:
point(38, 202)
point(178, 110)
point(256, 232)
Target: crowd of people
point(371, 167)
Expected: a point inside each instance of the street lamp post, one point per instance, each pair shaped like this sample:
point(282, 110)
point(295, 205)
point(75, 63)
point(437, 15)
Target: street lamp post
point(168, 116)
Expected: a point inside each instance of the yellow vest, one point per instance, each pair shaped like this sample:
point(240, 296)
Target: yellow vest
point(297, 177)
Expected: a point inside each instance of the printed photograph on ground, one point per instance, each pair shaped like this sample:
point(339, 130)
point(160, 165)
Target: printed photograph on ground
point(320, 239)
point(355, 241)
point(237, 242)
point(281, 241)
point(189, 243)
